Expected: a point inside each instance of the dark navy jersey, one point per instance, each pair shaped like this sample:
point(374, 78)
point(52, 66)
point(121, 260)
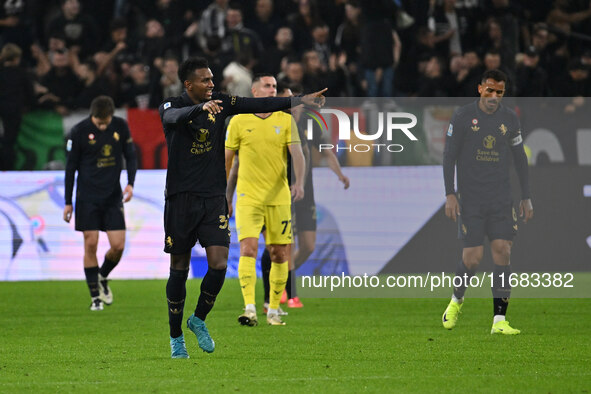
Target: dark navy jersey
point(98, 157)
point(481, 146)
point(195, 140)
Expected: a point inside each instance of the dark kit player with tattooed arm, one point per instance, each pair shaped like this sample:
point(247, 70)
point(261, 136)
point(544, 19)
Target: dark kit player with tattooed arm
point(196, 207)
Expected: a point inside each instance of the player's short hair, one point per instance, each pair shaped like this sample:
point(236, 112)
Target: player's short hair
point(102, 107)
point(259, 76)
point(190, 65)
point(496, 75)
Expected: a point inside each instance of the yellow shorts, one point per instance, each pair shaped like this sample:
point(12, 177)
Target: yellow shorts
point(276, 218)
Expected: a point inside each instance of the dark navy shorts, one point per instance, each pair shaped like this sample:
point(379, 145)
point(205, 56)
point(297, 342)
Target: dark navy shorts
point(495, 220)
point(189, 218)
point(103, 216)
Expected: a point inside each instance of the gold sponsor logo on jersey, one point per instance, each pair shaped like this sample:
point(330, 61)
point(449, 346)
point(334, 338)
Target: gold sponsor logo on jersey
point(233, 101)
point(116, 136)
point(514, 214)
point(515, 227)
point(503, 129)
point(489, 142)
point(106, 150)
point(211, 118)
point(169, 241)
point(464, 229)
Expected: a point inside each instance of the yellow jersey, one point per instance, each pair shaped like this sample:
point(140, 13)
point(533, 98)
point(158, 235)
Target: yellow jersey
point(262, 145)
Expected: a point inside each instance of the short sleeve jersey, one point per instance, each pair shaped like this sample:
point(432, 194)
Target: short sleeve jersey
point(262, 145)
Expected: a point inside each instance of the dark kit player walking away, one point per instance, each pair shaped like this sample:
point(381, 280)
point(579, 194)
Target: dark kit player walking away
point(95, 149)
point(480, 140)
point(196, 207)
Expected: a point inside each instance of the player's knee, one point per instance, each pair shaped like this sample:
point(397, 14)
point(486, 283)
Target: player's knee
point(248, 251)
point(278, 253)
point(501, 252)
point(472, 259)
point(180, 261)
point(90, 244)
point(117, 248)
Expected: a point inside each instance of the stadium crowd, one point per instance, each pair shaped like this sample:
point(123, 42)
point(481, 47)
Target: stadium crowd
point(75, 50)
point(58, 55)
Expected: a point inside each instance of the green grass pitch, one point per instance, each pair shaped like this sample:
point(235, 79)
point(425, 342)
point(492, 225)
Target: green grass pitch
point(51, 342)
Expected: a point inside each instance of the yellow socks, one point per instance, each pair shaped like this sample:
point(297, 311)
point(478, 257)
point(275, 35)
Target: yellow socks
point(247, 275)
point(277, 281)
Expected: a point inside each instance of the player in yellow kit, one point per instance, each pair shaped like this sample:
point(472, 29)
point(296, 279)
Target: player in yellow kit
point(263, 194)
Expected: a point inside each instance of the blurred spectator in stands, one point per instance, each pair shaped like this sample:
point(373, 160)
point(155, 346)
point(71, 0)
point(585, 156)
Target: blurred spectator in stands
point(118, 50)
point(530, 79)
point(575, 82)
point(62, 83)
point(321, 42)
point(240, 40)
point(422, 49)
point(347, 40)
point(216, 60)
point(264, 23)
point(380, 47)
point(539, 40)
point(433, 82)
point(238, 75)
point(494, 41)
point(213, 22)
point(468, 76)
point(301, 23)
point(79, 29)
point(494, 61)
point(116, 56)
point(170, 84)
point(293, 73)
point(451, 29)
point(137, 91)
point(317, 76)
point(16, 93)
point(511, 20)
point(561, 15)
point(271, 60)
point(170, 14)
point(16, 26)
point(347, 35)
point(93, 86)
point(153, 44)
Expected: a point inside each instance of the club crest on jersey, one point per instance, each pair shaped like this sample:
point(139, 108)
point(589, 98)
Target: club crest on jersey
point(277, 129)
point(167, 105)
point(503, 129)
point(211, 118)
point(116, 136)
point(475, 126)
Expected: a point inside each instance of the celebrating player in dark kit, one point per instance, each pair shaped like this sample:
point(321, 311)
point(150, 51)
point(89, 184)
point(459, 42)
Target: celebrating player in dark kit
point(480, 139)
point(196, 207)
point(95, 149)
